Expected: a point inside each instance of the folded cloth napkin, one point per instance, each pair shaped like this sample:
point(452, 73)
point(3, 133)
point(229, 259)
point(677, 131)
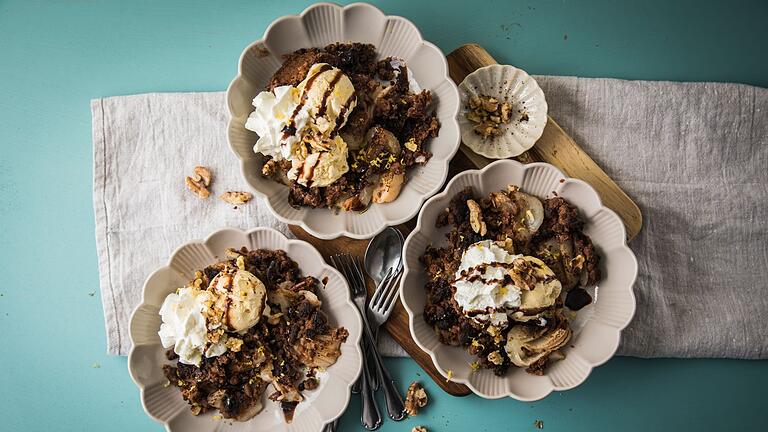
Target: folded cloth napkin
point(692, 155)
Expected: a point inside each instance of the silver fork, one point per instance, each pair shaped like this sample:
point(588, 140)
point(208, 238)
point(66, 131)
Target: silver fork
point(383, 301)
point(395, 405)
point(370, 417)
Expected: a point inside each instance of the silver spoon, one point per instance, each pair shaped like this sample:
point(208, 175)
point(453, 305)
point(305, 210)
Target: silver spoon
point(384, 254)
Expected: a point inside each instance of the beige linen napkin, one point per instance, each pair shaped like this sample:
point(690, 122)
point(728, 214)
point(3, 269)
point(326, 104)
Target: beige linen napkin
point(694, 156)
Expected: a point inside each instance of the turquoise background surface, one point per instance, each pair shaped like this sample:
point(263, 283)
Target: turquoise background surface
point(56, 56)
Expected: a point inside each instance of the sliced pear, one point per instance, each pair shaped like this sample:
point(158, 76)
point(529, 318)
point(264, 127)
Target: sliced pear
point(527, 344)
point(388, 187)
point(531, 209)
point(527, 212)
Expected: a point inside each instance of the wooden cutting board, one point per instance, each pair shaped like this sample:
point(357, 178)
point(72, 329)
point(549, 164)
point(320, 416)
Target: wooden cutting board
point(554, 147)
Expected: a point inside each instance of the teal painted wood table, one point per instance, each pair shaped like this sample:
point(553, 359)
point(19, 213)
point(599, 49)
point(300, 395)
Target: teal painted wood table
point(55, 56)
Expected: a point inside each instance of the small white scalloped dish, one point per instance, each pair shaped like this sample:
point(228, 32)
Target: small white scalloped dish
point(165, 404)
point(317, 26)
point(513, 85)
point(597, 328)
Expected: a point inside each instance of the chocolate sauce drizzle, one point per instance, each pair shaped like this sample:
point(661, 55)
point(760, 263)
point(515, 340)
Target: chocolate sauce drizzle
point(230, 286)
point(328, 91)
point(342, 113)
point(290, 128)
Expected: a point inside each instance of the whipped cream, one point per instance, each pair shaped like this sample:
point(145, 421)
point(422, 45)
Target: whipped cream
point(185, 328)
point(272, 113)
point(480, 280)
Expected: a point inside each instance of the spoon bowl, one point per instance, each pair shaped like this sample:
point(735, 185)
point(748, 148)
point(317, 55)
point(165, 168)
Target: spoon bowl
point(384, 252)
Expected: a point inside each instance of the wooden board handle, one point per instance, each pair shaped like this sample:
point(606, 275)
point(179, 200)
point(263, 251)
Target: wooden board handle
point(466, 59)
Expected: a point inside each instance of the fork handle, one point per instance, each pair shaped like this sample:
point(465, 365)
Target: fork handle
point(395, 405)
point(370, 417)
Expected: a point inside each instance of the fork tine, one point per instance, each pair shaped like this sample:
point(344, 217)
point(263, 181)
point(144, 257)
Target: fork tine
point(358, 272)
point(350, 273)
point(381, 289)
point(379, 306)
point(392, 294)
point(389, 294)
point(343, 268)
point(338, 262)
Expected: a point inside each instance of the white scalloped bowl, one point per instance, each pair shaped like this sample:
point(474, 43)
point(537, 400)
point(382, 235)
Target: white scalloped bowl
point(320, 25)
point(506, 83)
point(165, 404)
point(597, 327)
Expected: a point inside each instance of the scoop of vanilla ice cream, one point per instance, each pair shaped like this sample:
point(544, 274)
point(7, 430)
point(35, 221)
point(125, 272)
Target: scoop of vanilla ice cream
point(184, 326)
point(323, 166)
point(240, 299)
point(329, 97)
point(479, 281)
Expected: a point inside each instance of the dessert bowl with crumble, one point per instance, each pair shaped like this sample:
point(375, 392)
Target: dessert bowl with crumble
point(245, 327)
point(344, 119)
point(518, 281)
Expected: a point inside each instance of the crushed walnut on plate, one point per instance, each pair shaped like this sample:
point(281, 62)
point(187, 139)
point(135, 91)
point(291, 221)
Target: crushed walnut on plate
point(489, 114)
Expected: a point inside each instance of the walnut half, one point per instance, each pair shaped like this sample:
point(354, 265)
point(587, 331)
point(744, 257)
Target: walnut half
point(236, 197)
point(203, 174)
point(415, 398)
point(476, 218)
point(197, 187)
point(200, 181)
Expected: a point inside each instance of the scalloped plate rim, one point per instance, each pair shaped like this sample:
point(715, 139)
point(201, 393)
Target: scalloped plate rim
point(301, 243)
point(407, 270)
point(344, 231)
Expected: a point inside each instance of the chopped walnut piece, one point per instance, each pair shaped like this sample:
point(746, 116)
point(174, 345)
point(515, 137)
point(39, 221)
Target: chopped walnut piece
point(234, 344)
point(488, 114)
point(419, 429)
point(203, 174)
point(506, 112)
point(508, 245)
point(197, 187)
point(490, 104)
point(236, 197)
point(411, 145)
point(415, 398)
point(476, 218)
point(577, 263)
point(495, 358)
